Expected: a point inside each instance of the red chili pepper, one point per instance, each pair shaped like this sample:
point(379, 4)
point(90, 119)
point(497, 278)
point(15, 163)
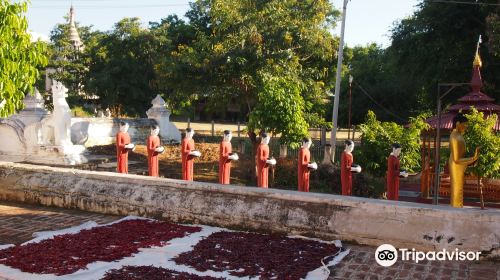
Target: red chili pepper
point(65, 254)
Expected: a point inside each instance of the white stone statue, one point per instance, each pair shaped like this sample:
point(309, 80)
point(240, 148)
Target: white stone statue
point(161, 115)
point(107, 113)
point(56, 129)
point(34, 135)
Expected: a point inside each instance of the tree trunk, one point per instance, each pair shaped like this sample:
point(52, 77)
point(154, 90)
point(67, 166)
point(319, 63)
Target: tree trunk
point(480, 185)
point(253, 138)
point(283, 151)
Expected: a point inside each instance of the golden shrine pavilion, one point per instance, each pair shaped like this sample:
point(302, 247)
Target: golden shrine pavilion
point(483, 103)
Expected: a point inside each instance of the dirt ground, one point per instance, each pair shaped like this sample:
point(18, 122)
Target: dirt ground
point(205, 167)
point(283, 176)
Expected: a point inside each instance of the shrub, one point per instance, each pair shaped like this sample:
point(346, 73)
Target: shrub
point(480, 134)
point(79, 111)
point(377, 138)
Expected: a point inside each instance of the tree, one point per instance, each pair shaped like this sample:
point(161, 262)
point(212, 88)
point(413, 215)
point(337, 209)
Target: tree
point(375, 87)
point(437, 44)
point(280, 94)
point(238, 48)
point(493, 32)
point(71, 65)
point(480, 134)
point(122, 70)
point(19, 57)
point(377, 138)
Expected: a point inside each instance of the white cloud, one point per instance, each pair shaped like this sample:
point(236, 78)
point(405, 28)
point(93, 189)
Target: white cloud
point(35, 36)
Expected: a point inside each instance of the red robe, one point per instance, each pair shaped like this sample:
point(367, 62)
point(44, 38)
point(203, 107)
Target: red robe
point(153, 143)
point(304, 159)
point(345, 173)
point(122, 139)
point(262, 166)
point(224, 162)
point(393, 178)
point(187, 146)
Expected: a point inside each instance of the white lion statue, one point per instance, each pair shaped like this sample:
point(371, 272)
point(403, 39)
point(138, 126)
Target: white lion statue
point(56, 128)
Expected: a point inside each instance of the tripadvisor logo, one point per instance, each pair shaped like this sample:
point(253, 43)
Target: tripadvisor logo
point(387, 255)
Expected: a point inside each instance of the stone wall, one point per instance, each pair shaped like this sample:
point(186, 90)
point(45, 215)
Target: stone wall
point(102, 131)
point(360, 220)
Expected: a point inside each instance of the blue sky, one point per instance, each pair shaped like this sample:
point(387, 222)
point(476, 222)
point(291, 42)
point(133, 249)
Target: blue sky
point(367, 20)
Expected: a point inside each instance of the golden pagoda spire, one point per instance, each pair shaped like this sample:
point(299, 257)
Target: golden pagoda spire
point(477, 57)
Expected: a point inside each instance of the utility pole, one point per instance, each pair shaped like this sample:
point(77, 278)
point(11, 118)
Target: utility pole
point(350, 103)
point(333, 139)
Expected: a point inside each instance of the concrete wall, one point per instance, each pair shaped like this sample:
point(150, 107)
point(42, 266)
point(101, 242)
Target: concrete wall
point(365, 221)
point(102, 131)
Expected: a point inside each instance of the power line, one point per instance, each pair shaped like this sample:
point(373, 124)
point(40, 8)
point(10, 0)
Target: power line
point(378, 104)
point(99, 1)
point(109, 7)
point(463, 2)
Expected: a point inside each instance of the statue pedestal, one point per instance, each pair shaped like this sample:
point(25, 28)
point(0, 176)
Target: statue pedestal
point(34, 135)
point(59, 155)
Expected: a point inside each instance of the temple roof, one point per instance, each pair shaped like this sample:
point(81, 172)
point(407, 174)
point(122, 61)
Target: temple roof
point(475, 98)
point(447, 121)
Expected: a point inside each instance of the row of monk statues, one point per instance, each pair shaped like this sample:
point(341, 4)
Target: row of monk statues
point(263, 160)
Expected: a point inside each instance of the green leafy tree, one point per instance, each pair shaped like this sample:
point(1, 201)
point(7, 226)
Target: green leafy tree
point(376, 87)
point(281, 110)
point(19, 57)
point(493, 33)
point(377, 138)
point(238, 46)
point(122, 70)
point(71, 65)
point(180, 78)
point(437, 44)
point(480, 134)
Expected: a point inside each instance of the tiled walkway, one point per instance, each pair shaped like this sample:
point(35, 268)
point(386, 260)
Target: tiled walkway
point(360, 264)
point(19, 221)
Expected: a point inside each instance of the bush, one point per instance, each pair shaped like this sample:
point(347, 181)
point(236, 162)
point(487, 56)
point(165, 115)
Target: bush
point(79, 111)
point(326, 180)
point(377, 138)
point(363, 185)
point(480, 134)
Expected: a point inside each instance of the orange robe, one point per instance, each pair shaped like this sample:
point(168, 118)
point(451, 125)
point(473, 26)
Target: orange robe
point(303, 174)
point(345, 173)
point(262, 166)
point(393, 178)
point(224, 162)
point(187, 146)
point(153, 143)
point(122, 139)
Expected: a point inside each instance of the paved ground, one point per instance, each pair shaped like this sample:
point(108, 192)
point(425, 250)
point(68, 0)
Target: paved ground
point(360, 264)
point(19, 221)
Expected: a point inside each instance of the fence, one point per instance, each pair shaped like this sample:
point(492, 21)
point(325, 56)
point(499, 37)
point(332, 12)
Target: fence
point(317, 148)
point(240, 130)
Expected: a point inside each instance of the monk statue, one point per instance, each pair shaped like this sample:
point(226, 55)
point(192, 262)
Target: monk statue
point(305, 165)
point(263, 161)
point(154, 149)
point(188, 154)
point(226, 155)
point(457, 162)
point(394, 172)
point(347, 167)
point(123, 146)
